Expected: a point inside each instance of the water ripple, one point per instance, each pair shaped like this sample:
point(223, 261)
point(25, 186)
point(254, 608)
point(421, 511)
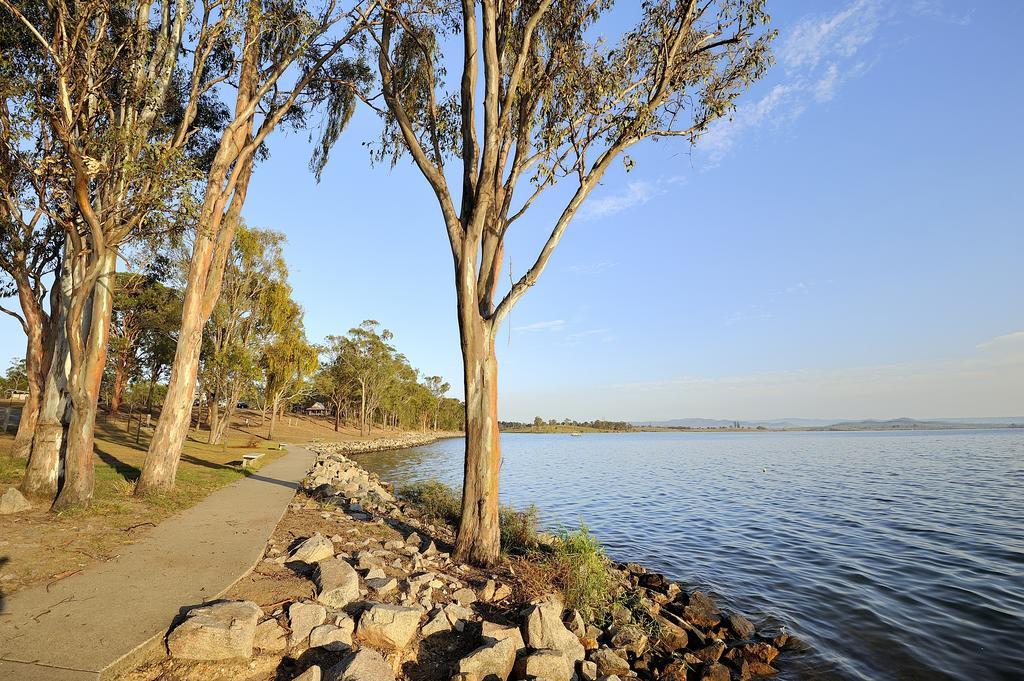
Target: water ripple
point(891, 556)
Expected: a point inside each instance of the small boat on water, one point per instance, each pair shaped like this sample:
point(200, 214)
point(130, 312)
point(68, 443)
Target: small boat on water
point(575, 434)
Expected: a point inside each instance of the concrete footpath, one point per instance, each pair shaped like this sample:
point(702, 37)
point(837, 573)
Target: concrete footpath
point(92, 624)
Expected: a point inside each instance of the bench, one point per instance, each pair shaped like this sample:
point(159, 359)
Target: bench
point(248, 459)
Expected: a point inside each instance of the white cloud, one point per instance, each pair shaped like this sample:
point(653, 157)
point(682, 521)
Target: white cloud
point(842, 34)
point(816, 56)
point(636, 193)
point(825, 88)
point(551, 325)
point(935, 9)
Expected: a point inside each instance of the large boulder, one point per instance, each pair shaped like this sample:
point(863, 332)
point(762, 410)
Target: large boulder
point(13, 501)
point(490, 662)
point(741, 626)
point(332, 637)
point(303, 618)
point(363, 665)
point(701, 610)
point(337, 583)
point(312, 550)
point(221, 631)
point(388, 626)
point(549, 665)
point(543, 629)
point(491, 631)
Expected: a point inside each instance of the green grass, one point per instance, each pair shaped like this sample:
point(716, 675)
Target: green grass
point(583, 572)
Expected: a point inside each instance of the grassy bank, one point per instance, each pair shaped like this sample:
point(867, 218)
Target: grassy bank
point(40, 546)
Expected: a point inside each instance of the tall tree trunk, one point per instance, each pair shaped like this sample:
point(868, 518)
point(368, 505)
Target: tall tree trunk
point(38, 351)
point(84, 388)
point(117, 392)
point(479, 538)
point(273, 419)
point(218, 429)
point(219, 216)
point(362, 413)
point(43, 471)
point(337, 417)
point(214, 421)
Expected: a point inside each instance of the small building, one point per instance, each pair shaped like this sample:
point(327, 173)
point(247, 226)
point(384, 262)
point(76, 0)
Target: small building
point(317, 409)
point(17, 395)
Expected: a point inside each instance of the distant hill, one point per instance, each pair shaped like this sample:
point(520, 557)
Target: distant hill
point(840, 424)
point(915, 424)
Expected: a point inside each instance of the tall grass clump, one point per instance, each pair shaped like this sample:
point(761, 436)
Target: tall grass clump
point(518, 529)
point(583, 571)
point(436, 500)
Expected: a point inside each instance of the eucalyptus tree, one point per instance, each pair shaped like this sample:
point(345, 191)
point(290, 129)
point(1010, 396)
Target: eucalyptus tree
point(33, 204)
point(539, 98)
point(285, 58)
point(438, 388)
point(122, 114)
point(369, 356)
point(288, 362)
point(253, 307)
point(335, 381)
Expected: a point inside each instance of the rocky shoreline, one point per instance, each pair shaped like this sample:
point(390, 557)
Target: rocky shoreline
point(358, 585)
point(404, 441)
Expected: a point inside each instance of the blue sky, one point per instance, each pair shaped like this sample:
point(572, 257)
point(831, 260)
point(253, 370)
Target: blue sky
point(849, 245)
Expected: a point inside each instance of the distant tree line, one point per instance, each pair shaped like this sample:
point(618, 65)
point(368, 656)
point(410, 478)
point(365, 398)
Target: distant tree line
point(539, 423)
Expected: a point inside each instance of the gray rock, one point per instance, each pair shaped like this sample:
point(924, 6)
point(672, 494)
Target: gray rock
point(608, 663)
point(458, 615)
point(332, 636)
point(382, 586)
point(313, 550)
point(302, 618)
point(490, 661)
point(549, 665)
point(221, 631)
point(363, 665)
point(271, 636)
point(13, 501)
point(543, 629)
point(437, 625)
point(337, 582)
point(389, 626)
point(465, 596)
point(311, 674)
point(490, 631)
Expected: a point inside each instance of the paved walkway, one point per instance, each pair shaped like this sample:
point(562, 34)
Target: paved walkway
point(87, 623)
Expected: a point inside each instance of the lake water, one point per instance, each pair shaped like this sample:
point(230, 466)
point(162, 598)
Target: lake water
point(890, 555)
